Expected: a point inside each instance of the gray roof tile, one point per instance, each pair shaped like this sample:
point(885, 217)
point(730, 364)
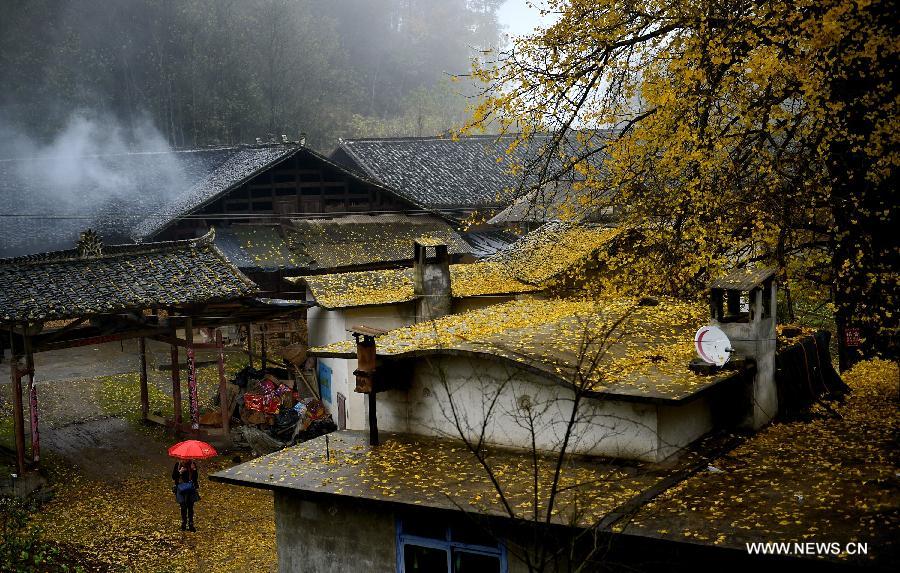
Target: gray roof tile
point(65, 284)
point(441, 173)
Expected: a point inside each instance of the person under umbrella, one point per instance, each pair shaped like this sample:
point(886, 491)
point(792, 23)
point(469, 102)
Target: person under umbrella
point(186, 495)
point(186, 476)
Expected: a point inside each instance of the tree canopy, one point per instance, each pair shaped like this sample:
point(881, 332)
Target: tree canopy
point(229, 71)
point(746, 132)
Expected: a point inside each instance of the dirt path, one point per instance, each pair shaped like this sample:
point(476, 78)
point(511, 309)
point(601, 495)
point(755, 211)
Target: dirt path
point(107, 448)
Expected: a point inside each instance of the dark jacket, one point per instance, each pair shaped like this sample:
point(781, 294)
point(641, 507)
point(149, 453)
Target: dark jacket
point(194, 475)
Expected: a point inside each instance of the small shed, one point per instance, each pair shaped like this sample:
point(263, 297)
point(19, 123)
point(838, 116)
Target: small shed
point(388, 299)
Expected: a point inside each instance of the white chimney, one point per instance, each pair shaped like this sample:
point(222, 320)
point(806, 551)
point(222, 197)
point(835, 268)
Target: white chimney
point(742, 304)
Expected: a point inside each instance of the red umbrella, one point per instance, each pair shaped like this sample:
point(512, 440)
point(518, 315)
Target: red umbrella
point(192, 450)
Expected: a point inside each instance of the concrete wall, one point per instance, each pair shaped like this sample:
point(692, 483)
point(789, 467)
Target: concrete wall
point(605, 427)
point(681, 424)
point(333, 536)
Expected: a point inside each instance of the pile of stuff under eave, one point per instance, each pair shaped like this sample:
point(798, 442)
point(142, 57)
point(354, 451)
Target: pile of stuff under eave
point(267, 412)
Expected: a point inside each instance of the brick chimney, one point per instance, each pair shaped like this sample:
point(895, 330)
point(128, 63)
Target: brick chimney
point(431, 276)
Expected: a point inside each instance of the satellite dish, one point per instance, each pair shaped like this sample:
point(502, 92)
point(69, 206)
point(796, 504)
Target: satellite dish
point(713, 345)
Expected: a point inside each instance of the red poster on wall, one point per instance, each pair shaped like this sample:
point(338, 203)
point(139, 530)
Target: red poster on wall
point(851, 337)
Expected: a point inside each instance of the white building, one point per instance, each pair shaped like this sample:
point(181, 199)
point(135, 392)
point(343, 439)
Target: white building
point(512, 373)
point(391, 299)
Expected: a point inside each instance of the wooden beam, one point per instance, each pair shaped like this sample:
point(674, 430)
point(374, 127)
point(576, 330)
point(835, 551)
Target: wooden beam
point(145, 394)
point(250, 343)
point(51, 336)
point(223, 388)
point(32, 403)
point(93, 340)
point(18, 416)
point(263, 344)
point(183, 343)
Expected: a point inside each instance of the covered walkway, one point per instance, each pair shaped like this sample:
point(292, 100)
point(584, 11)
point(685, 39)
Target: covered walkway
point(94, 294)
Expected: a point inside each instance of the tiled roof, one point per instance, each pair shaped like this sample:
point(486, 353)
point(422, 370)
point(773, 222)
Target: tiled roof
point(65, 284)
point(452, 174)
point(392, 286)
point(420, 471)
point(553, 249)
point(236, 170)
point(259, 248)
point(240, 166)
point(358, 240)
point(441, 173)
point(559, 202)
point(486, 242)
point(744, 279)
point(646, 360)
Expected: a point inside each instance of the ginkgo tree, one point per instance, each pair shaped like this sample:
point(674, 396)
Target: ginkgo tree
point(725, 133)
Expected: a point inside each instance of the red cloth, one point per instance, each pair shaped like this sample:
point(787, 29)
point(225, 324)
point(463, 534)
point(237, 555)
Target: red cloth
point(268, 404)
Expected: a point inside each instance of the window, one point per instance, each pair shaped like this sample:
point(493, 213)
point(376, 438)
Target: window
point(426, 547)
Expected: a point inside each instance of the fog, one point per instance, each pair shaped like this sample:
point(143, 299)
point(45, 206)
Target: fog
point(95, 172)
point(85, 165)
point(228, 71)
point(95, 91)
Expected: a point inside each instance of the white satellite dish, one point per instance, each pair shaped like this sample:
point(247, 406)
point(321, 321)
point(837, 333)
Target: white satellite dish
point(713, 345)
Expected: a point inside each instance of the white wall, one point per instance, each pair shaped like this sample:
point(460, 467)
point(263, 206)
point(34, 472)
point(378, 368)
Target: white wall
point(604, 427)
point(329, 326)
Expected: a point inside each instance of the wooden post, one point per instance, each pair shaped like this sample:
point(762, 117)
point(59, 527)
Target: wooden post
point(32, 402)
point(18, 416)
point(194, 405)
point(264, 358)
point(373, 421)
point(223, 388)
point(176, 381)
point(250, 342)
point(145, 394)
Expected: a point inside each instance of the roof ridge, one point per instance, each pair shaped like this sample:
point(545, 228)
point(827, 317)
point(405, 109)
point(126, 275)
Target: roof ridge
point(118, 250)
point(428, 138)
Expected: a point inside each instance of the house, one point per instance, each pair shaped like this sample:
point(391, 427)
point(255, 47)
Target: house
point(470, 423)
point(472, 177)
point(558, 254)
point(269, 183)
point(140, 182)
point(535, 357)
point(170, 195)
point(453, 176)
point(99, 293)
point(394, 298)
point(553, 202)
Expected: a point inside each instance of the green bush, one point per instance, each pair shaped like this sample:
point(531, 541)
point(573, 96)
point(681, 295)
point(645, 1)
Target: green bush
point(21, 548)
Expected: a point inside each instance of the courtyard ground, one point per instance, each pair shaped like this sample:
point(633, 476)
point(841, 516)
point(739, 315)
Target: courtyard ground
point(113, 506)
